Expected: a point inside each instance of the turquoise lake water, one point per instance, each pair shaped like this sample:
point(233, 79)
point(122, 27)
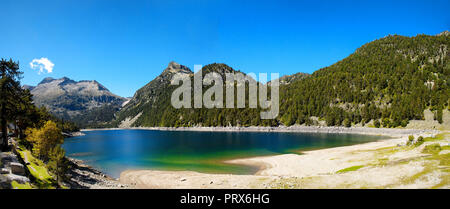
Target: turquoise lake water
point(113, 151)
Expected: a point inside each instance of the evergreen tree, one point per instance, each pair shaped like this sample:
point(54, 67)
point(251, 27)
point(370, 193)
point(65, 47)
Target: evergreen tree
point(9, 96)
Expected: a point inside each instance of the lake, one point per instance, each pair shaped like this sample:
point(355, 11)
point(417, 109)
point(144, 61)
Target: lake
point(113, 151)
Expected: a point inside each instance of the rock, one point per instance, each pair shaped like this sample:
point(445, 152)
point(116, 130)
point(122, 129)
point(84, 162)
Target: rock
point(18, 179)
point(211, 182)
point(17, 168)
point(5, 171)
point(6, 158)
point(183, 179)
point(5, 183)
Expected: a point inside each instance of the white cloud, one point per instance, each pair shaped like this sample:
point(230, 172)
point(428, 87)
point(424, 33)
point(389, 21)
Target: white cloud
point(42, 64)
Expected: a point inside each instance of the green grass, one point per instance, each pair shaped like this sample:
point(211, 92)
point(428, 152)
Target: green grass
point(432, 163)
point(16, 185)
point(38, 170)
point(438, 137)
point(444, 160)
point(432, 149)
point(382, 162)
point(353, 168)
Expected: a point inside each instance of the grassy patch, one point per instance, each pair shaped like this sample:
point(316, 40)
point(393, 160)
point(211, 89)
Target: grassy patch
point(444, 160)
point(38, 170)
point(438, 137)
point(353, 168)
point(433, 163)
point(432, 149)
point(382, 162)
point(292, 183)
point(16, 185)
point(445, 180)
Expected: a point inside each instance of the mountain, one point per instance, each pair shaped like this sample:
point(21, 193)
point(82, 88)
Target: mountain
point(387, 82)
point(151, 105)
point(28, 87)
point(156, 87)
point(287, 79)
point(84, 102)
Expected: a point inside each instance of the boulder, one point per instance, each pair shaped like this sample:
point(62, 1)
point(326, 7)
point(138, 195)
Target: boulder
point(17, 168)
point(5, 183)
point(5, 171)
point(17, 178)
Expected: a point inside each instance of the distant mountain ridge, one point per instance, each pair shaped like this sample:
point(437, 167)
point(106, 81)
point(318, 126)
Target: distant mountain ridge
point(76, 101)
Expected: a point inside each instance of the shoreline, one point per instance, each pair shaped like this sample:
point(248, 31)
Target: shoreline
point(318, 168)
point(84, 176)
point(314, 169)
point(391, 132)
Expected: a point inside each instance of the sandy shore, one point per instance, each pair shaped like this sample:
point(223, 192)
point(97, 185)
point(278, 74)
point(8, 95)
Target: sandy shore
point(382, 164)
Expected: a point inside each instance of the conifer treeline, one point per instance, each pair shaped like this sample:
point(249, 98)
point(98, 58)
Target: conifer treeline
point(392, 80)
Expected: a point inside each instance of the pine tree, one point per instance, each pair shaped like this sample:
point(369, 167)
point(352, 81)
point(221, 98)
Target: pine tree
point(9, 90)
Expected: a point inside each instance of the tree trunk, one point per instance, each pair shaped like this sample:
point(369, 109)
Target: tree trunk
point(16, 130)
point(4, 131)
point(20, 135)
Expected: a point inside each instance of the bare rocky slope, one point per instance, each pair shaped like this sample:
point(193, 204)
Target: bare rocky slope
point(85, 102)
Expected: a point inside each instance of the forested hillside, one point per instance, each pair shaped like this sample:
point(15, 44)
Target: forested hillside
point(392, 80)
point(388, 81)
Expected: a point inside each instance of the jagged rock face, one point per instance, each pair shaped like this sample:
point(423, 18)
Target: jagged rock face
point(444, 33)
point(150, 91)
point(67, 98)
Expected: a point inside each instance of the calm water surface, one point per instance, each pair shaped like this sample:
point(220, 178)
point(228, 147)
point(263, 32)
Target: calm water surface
point(113, 151)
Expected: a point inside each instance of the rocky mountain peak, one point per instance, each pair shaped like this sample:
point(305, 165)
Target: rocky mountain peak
point(219, 68)
point(69, 99)
point(174, 67)
point(46, 80)
point(444, 33)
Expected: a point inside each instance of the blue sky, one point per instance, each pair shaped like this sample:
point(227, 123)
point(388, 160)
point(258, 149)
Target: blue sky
point(125, 44)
